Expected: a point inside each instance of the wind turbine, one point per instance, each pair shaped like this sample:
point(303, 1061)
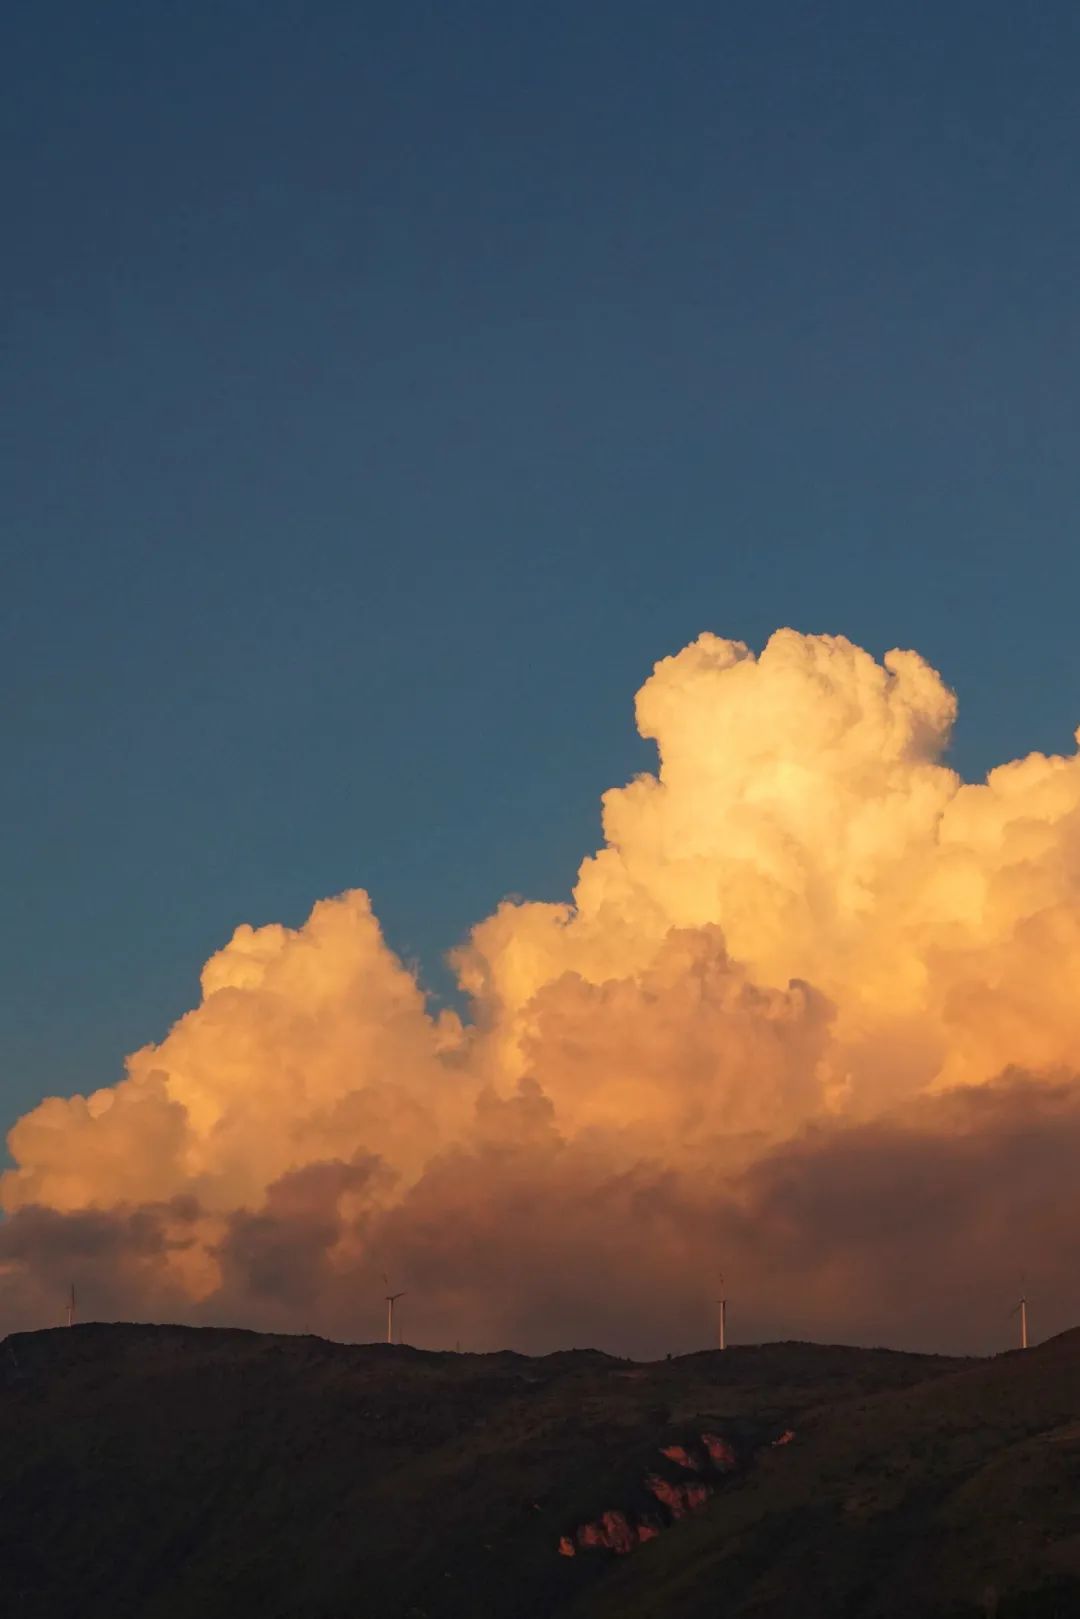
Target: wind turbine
point(1021, 1311)
point(71, 1307)
point(391, 1300)
point(722, 1302)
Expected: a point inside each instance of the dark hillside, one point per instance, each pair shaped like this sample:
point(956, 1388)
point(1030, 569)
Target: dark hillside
point(167, 1472)
point(956, 1497)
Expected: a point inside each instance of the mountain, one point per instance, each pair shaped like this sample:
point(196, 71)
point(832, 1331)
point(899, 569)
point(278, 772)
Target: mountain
point(171, 1472)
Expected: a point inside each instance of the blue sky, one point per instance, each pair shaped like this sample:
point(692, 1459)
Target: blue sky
point(389, 386)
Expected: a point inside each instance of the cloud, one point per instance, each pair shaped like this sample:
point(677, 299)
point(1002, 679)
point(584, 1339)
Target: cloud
point(809, 1017)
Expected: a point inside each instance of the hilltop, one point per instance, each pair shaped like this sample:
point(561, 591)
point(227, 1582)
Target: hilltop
point(166, 1472)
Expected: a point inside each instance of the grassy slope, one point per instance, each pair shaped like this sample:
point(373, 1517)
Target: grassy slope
point(167, 1472)
point(960, 1496)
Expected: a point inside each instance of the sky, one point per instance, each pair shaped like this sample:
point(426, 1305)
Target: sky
point(391, 386)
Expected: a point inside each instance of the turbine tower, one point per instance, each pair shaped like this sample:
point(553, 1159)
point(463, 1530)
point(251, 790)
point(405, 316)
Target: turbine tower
point(1021, 1311)
point(722, 1324)
point(391, 1300)
point(71, 1307)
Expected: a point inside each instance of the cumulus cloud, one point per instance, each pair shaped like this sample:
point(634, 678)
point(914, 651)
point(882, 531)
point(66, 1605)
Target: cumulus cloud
point(809, 1018)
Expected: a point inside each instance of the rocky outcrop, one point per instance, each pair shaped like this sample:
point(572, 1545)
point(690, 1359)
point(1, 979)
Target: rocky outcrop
point(679, 1499)
point(681, 1456)
point(720, 1452)
point(709, 1458)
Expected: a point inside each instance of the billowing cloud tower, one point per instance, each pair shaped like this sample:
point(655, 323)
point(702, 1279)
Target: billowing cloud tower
point(811, 1018)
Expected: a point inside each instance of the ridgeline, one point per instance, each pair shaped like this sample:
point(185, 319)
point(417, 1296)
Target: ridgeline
point(172, 1472)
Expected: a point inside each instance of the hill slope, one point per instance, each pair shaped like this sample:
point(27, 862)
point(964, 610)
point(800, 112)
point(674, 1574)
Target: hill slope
point(958, 1496)
point(168, 1472)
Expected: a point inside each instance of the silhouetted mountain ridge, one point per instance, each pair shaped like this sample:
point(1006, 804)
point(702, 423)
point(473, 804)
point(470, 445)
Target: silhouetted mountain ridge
point(166, 1471)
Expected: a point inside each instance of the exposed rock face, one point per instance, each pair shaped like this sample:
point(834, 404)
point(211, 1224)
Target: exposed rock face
point(610, 1531)
point(720, 1452)
point(679, 1499)
point(680, 1455)
point(621, 1531)
point(709, 1459)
